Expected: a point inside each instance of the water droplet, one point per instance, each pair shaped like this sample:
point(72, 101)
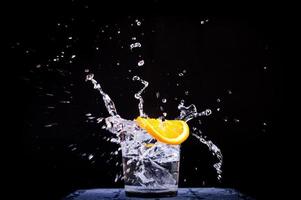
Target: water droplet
point(264, 123)
point(186, 92)
point(89, 77)
point(218, 109)
point(141, 63)
point(99, 119)
point(265, 67)
point(236, 120)
point(97, 48)
point(225, 119)
point(134, 38)
point(229, 92)
point(164, 114)
point(135, 45)
point(50, 125)
point(138, 22)
point(218, 100)
point(157, 95)
point(185, 180)
point(202, 22)
point(117, 63)
point(38, 66)
point(161, 108)
point(196, 169)
point(118, 32)
point(207, 20)
point(181, 74)
point(64, 101)
point(177, 84)
point(70, 38)
point(90, 156)
point(88, 114)
point(136, 78)
point(164, 100)
point(73, 56)
point(129, 70)
point(87, 70)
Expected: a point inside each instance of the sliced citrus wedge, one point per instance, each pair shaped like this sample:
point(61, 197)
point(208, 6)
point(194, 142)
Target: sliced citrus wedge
point(168, 131)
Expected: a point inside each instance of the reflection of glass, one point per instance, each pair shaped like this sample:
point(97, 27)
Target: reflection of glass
point(151, 169)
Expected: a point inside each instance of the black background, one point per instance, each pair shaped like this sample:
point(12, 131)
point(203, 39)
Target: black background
point(229, 52)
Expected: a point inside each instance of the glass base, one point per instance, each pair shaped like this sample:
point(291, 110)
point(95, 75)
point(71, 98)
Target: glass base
point(139, 191)
point(151, 194)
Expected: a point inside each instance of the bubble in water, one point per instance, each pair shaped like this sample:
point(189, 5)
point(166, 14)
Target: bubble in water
point(73, 56)
point(117, 63)
point(118, 32)
point(141, 63)
point(70, 38)
point(135, 45)
point(87, 70)
point(134, 38)
point(161, 108)
point(38, 66)
point(88, 114)
point(218, 100)
point(218, 109)
point(264, 123)
point(225, 119)
point(229, 92)
point(164, 114)
point(181, 74)
point(202, 22)
point(157, 95)
point(186, 92)
point(236, 120)
point(265, 67)
point(164, 100)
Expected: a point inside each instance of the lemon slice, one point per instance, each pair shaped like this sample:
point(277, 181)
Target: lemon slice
point(168, 131)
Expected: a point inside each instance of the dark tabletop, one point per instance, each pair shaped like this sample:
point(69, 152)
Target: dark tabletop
point(183, 193)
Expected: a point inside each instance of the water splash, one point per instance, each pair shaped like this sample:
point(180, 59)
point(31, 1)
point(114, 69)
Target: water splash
point(107, 100)
point(215, 151)
point(189, 112)
point(133, 139)
point(138, 95)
